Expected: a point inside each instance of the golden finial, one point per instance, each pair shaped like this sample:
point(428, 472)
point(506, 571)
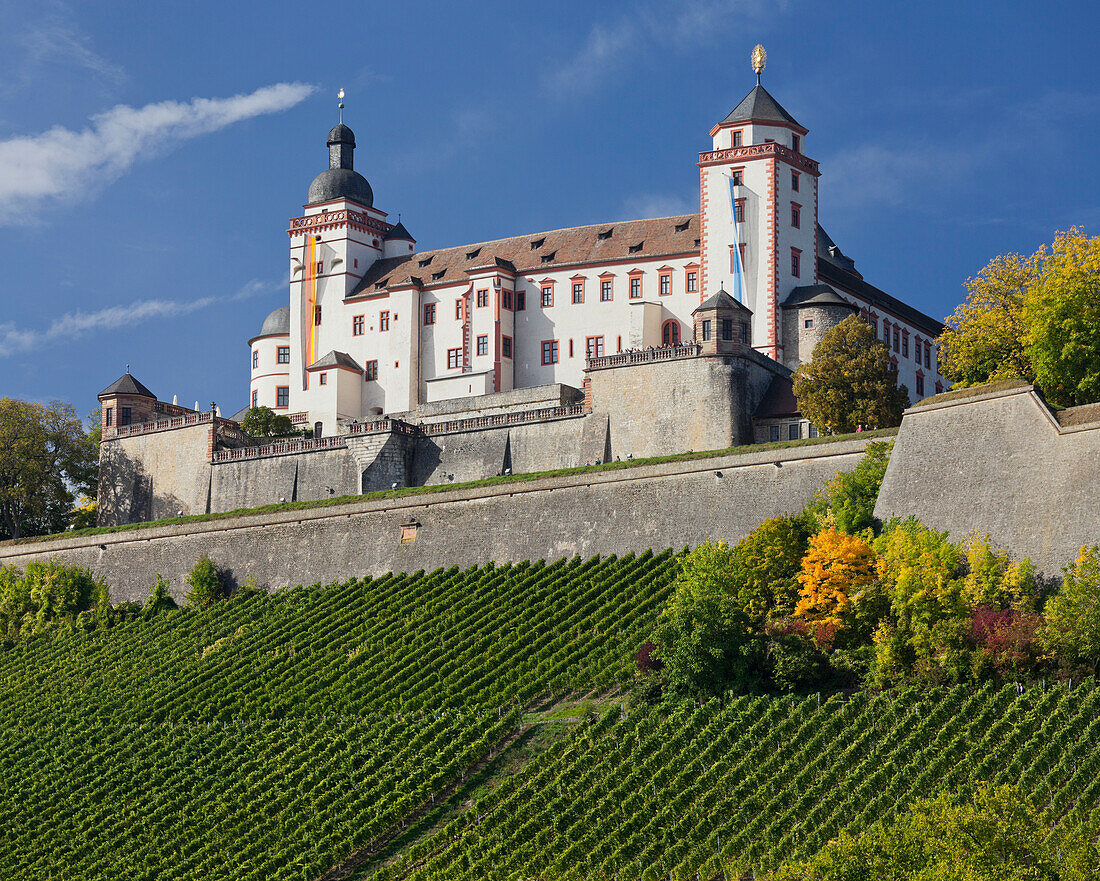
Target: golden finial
point(759, 59)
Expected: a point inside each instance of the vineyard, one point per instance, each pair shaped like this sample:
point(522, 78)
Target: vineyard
point(277, 736)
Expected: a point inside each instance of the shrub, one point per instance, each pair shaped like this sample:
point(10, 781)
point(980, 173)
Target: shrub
point(766, 564)
point(160, 600)
point(848, 500)
point(1072, 629)
point(835, 569)
point(48, 591)
point(207, 585)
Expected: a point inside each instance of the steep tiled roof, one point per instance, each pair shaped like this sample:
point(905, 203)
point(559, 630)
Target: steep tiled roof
point(836, 276)
point(721, 300)
point(779, 400)
point(127, 385)
point(335, 359)
point(759, 105)
point(539, 252)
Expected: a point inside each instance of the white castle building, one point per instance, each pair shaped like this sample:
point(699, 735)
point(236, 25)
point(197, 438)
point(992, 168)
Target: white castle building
point(375, 326)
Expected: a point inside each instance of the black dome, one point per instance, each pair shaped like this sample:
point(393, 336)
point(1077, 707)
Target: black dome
point(341, 134)
point(340, 183)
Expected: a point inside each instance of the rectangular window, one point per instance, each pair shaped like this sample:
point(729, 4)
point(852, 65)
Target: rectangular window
point(739, 210)
point(125, 416)
point(429, 313)
point(808, 323)
point(738, 178)
point(774, 432)
point(458, 310)
point(745, 332)
point(549, 351)
point(506, 346)
point(897, 340)
point(483, 345)
point(705, 329)
point(482, 299)
point(905, 345)
point(547, 296)
point(920, 385)
point(794, 431)
point(521, 301)
point(692, 282)
point(323, 379)
point(605, 289)
point(796, 262)
point(111, 415)
point(372, 371)
point(578, 292)
point(384, 320)
point(796, 143)
point(927, 356)
point(665, 284)
point(454, 359)
point(255, 399)
point(593, 347)
point(316, 316)
point(283, 355)
point(570, 347)
point(727, 329)
point(813, 430)
point(886, 333)
point(506, 299)
point(255, 358)
point(320, 267)
point(635, 288)
point(282, 396)
point(794, 181)
point(357, 325)
point(796, 216)
point(737, 138)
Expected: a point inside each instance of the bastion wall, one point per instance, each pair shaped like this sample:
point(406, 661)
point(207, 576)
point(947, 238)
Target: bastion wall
point(614, 511)
point(996, 459)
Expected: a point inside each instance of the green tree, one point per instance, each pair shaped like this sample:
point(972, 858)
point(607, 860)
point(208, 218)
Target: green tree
point(206, 582)
point(265, 422)
point(985, 340)
point(1062, 313)
point(766, 563)
point(849, 382)
point(45, 454)
point(704, 638)
point(993, 835)
point(1072, 627)
point(847, 501)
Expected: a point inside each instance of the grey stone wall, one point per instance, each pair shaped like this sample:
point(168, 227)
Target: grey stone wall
point(996, 460)
point(825, 318)
point(614, 511)
point(664, 407)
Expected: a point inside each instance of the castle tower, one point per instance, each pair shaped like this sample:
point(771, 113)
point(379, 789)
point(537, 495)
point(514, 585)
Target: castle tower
point(758, 210)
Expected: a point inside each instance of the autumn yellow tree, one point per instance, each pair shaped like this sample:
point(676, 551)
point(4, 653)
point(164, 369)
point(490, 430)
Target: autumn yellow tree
point(834, 570)
point(985, 340)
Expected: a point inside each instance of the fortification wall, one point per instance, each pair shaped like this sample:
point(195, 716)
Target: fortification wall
point(996, 460)
point(612, 511)
point(305, 476)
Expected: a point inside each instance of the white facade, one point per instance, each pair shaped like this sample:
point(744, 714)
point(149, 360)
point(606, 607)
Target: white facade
point(411, 327)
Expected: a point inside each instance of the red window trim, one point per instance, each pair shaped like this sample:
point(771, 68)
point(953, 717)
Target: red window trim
point(588, 348)
point(573, 282)
point(796, 253)
point(795, 206)
point(542, 352)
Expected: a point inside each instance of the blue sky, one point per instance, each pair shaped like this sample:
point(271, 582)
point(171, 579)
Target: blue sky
point(151, 154)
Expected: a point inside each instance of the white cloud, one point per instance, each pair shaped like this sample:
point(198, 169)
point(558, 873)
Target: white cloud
point(61, 163)
point(71, 325)
point(54, 40)
point(612, 46)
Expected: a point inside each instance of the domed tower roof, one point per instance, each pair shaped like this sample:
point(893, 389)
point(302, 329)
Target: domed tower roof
point(340, 180)
point(278, 322)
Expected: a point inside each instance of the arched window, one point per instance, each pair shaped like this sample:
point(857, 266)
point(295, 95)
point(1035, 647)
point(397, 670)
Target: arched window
point(670, 333)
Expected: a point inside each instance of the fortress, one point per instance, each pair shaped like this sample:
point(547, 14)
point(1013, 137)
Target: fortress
point(546, 350)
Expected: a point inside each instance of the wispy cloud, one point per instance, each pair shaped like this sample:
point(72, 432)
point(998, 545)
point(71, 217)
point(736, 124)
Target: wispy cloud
point(658, 205)
point(55, 40)
point(611, 46)
point(61, 163)
point(73, 325)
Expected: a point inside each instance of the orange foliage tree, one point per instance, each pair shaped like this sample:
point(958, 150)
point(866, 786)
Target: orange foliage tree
point(836, 566)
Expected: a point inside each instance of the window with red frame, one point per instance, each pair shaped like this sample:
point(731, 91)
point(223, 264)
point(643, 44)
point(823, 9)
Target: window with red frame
point(506, 346)
point(384, 320)
point(796, 263)
point(483, 344)
point(549, 351)
point(593, 347)
point(665, 283)
point(357, 325)
point(454, 359)
point(371, 371)
point(482, 299)
point(429, 313)
point(605, 289)
point(547, 296)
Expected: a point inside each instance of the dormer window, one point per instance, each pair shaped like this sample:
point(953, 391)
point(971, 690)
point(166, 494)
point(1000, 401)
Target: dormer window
point(427, 261)
point(470, 255)
point(606, 234)
point(635, 248)
point(538, 243)
point(680, 227)
point(549, 258)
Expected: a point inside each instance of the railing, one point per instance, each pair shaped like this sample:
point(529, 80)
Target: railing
point(645, 356)
point(499, 419)
point(378, 425)
point(158, 425)
point(749, 151)
point(280, 448)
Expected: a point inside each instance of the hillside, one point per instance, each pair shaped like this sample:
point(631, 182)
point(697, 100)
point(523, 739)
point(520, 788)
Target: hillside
point(418, 726)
